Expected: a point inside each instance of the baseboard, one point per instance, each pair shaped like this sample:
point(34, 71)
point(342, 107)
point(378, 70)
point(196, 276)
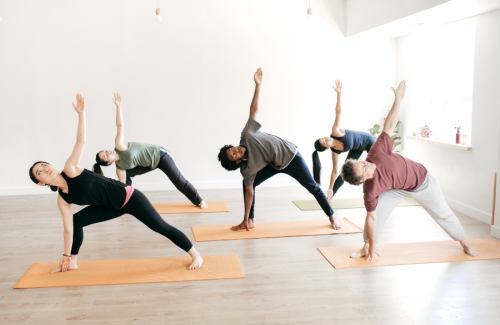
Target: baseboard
point(157, 186)
point(470, 211)
point(495, 232)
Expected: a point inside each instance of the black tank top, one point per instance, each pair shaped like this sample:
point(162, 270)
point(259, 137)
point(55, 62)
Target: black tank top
point(90, 188)
point(355, 140)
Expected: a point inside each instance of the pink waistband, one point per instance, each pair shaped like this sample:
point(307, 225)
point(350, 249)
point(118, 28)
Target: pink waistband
point(130, 190)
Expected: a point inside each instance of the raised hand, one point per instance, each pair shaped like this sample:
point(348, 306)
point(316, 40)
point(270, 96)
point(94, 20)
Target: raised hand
point(258, 76)
point(338, 86)
point(80, 107)
point(400, 91)
point(117, 99)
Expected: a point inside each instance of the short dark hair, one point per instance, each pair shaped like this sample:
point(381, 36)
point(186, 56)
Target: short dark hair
point(36, 181)
point(348, 174)
point(224, 161)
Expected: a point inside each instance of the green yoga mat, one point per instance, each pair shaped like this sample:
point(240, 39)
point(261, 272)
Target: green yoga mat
point(308, 205)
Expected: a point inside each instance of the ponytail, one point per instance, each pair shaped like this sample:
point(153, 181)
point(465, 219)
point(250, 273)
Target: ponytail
point(98, 163)
point(316, 167)
point(316, 162)
point(97, 169)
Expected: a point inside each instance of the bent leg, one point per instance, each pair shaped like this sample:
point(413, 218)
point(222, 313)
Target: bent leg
point(88, 216)
point(169, 167)
point(387, 202)
point(298, 169)
point(139, 170)
point(262, 175)
point(140, 207)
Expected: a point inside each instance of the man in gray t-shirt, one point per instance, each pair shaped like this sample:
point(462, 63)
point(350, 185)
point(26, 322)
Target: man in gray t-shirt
point(267, 149)
point(260, 156)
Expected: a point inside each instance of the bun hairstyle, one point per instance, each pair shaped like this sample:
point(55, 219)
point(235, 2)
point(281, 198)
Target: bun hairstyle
point(36, 181)
point(316, 162)
point(98, 163)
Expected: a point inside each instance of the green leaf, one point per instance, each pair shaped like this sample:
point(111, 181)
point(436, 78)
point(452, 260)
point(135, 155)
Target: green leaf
point(396, 144)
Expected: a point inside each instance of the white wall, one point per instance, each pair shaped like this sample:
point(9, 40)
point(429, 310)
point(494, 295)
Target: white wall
point(466, 178)
point(187, 81)
point(362, 15)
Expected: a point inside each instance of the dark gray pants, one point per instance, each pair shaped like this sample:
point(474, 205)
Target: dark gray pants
point(168, 166)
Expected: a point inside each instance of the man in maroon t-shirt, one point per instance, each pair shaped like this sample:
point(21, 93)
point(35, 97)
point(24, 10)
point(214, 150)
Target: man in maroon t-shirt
point(388, 178)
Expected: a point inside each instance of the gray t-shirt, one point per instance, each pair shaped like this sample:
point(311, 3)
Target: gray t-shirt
point(263, 149)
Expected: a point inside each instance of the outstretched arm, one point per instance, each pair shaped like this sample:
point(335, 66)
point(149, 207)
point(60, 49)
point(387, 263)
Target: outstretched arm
point(371, 229)
point(329, 192)
point(76, 155)
point(336, 128)
point(248, 205)
point(254, 107)
point(392, 118)
point(67, 216)
point(120, 143)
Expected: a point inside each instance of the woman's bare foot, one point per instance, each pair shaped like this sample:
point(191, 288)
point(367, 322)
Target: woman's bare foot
point(361, 253)
point(335, 224)
point(468, 248)
point(203, 205)
point(197, 261)
point(196, 264)
point(251, 224)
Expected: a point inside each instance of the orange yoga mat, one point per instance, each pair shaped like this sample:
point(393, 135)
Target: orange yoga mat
point(149, 270)
point(274, 229)
point(413, 253)
point(166, 208)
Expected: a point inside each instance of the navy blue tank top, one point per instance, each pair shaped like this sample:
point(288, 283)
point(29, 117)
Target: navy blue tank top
point(90, 188)
point(355, 140)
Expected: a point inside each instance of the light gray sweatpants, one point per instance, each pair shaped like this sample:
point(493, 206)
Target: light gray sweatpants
point(430, 198)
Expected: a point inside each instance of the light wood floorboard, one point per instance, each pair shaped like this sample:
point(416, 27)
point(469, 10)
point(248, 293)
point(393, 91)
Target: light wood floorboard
point(287, 280)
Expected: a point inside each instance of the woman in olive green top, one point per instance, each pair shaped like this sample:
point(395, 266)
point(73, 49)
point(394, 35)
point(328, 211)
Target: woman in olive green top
point(135, 158)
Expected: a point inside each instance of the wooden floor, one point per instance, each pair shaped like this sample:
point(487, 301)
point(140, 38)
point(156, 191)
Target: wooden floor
point(287, 279)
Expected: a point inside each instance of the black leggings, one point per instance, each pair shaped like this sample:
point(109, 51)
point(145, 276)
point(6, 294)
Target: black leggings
point(168, 166)
point(138, 206)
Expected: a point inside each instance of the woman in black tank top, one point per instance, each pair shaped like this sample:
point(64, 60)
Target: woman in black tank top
point(340, 140)
point(106, 199)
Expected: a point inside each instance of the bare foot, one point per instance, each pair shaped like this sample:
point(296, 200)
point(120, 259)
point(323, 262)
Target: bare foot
point(197, 261)
point(58, 268)
point(203, 205)
point(336, 225)
point(251, 224)
point(468, 249)
point(361, 253)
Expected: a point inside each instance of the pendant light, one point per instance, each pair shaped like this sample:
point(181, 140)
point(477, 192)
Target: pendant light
point(158, 12)
point(309, 11)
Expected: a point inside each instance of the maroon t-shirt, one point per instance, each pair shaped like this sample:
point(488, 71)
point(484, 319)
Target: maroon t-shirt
point(393, 171)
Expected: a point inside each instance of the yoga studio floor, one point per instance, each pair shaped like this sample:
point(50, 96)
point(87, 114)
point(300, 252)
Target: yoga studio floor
point(287, 280)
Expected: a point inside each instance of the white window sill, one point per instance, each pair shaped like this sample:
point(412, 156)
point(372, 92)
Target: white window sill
point(441, 143)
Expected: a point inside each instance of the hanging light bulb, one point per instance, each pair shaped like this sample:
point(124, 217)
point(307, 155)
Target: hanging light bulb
point(158, 13)
point(309, 11)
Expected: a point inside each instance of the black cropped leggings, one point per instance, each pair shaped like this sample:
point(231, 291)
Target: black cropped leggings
point(138, 206)
point(169, 167)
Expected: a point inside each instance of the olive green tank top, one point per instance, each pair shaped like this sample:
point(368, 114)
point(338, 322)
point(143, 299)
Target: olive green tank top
point(139, 154)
